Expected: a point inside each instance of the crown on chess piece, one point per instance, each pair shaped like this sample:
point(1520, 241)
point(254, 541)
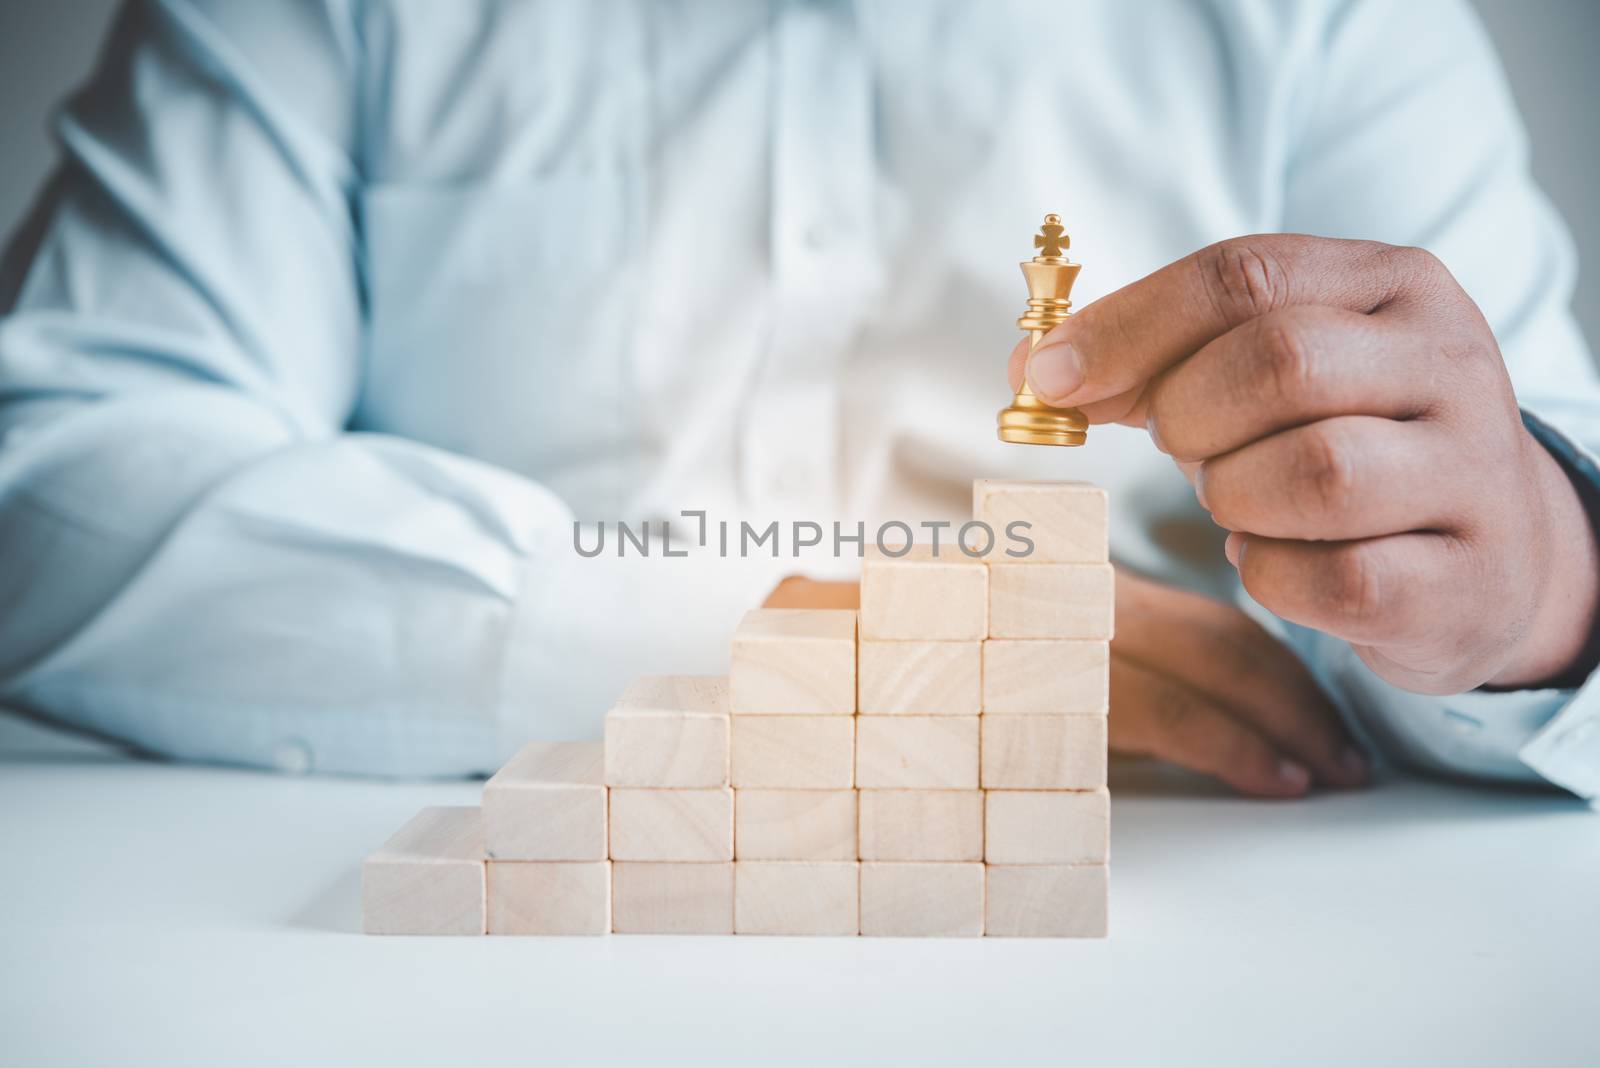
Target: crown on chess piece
point(1028, 420)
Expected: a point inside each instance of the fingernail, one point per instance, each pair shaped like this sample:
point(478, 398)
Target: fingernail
point(1199, 480)
point(1054, 372)
point(1231, 547)
point(1354, 763)
point(1292, 774)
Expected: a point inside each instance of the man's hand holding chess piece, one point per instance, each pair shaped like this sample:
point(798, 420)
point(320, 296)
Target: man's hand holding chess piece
point(1342, 408)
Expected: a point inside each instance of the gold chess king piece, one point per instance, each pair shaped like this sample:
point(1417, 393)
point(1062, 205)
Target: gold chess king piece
point(1029, 420)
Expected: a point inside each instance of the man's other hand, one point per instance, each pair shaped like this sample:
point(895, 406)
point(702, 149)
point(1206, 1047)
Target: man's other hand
point(1200, 684)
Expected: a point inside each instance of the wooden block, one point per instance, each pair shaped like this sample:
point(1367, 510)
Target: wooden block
point(548, 803)
point(921, 900)
point(917, 752)
point(1047, 827)
point(794, 752)
point(922, 597)
point(1046, 677)
point(672, 898)
point(796, 897)
point(549, 897)
point(798, 661)
point(428, 878)
point(794, 825)
point(920, 678)
point(1067, 520)
point(796, 591)
point(672, 825)
point(1044, 752)
point(669, 730)
point(1050, 601)
point(921, 825)
point(1046, 901)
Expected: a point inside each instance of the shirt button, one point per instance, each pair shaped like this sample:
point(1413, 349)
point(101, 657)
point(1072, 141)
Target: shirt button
point(292, 757)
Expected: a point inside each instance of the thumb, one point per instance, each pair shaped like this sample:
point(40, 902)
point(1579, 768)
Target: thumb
point(1019, 360)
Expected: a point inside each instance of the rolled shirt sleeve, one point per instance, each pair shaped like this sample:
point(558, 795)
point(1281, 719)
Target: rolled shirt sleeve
point(199, 561)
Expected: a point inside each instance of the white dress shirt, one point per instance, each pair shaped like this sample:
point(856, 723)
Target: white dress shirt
point(337, 314)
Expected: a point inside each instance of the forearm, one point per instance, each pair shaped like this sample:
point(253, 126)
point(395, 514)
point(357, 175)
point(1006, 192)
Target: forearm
point(309, 588)
point(356, 604)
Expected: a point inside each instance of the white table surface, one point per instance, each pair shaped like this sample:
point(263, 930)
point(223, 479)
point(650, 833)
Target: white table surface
point(167, 915)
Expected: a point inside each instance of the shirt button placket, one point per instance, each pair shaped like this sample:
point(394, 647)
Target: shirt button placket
point(822, 257)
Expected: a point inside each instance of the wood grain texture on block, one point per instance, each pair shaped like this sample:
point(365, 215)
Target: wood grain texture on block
point(1047, 901)
point(549, 897)
point(428, 878)
point(794, 825)
point(1046, 677)
point(917, 752)
point(547, 803)
point(672, 898)
point(923, 597)
point(1044, 752)
point(920, 678)
point(795, 897)
point(1067, 521)
point(921, 824)
point(1051, 601)
point(1047, 826)
point(669, 730)
point(794, 752)
point(672, 825)
point(796, 661)
point(921, 900)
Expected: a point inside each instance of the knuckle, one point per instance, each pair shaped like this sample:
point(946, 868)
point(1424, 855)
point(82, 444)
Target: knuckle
point(1357, 585)
point(1243, 279)
point(1327, 472)
point(1288, 362)
point(1418, 263)
point(1415, 271)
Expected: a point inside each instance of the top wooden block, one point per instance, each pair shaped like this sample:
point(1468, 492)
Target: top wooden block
point(922, 597)
point(669, 731)
point(548, 803)
point(1067, 519)
point(794, 661)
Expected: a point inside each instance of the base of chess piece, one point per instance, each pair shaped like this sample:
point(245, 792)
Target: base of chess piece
point(1029, 421)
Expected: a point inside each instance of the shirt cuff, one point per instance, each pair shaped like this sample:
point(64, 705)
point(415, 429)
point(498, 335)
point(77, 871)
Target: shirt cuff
point(1566, 750)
